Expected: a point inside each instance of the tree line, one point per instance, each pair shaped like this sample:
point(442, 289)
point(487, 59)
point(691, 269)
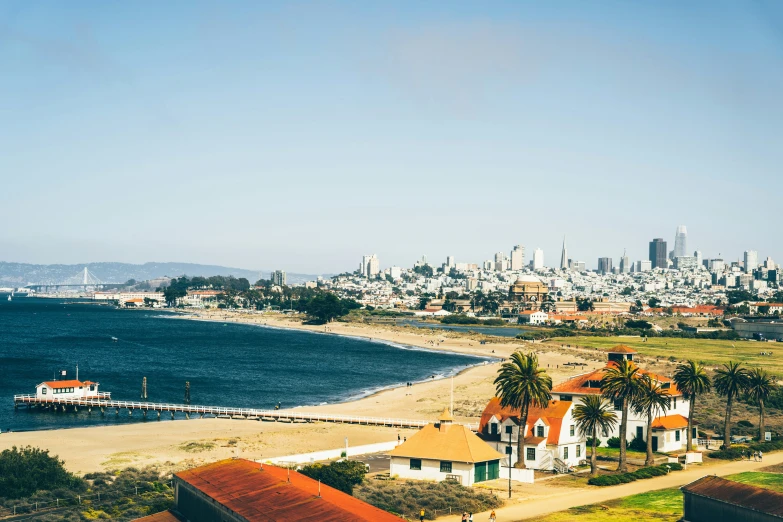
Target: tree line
point(522, 383)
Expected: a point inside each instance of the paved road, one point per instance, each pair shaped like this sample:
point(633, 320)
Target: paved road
point(569, 498)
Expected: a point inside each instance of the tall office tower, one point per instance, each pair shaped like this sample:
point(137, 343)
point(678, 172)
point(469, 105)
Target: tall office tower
point(450, 262)
point(538, 259)
point(370, 266)
point(625, 264)
point(487, 265)
point(605, 265)
point(699, 258)
point(751, 261)
point(278, 278)
point(658, 253)
point(500, 262)
point(717, 266)
point(564, 257)
point(518, 258)
point(680, 242)
point(769, 264)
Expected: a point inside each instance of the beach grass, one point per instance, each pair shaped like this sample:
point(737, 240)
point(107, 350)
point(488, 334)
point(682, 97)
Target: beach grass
point(709, 351)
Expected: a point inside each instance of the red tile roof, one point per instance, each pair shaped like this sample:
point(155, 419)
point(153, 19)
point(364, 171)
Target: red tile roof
point(552, 415)
point(621, 348)
point(270, 493)
point(735, 493)
point(64, 384)
point(578, 384)
point(670, 422)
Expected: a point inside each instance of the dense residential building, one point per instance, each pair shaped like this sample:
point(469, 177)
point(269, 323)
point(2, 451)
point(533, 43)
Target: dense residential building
point(278, 278)
point(658, 253)
point(500, 262)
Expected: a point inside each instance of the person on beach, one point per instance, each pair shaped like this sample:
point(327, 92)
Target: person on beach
point(470, 517)
point(464, 517)
point(760, 455)
point(421, 516)
point(492, 516)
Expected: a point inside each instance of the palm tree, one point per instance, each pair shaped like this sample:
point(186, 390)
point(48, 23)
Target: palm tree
point(692, 380)
point(521, 383)
point(620, 383)
point(730, 382)
point(650, 400)
point(760, 387)
point(593, 414)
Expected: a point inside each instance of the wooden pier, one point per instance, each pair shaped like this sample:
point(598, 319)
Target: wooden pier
point(104, 406)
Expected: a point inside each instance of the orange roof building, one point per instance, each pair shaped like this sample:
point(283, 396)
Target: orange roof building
point(237, 490)
point(590, 384)
point(445, 450)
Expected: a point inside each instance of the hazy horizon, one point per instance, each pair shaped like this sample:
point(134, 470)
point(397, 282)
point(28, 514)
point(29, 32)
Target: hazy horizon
point(302, 136)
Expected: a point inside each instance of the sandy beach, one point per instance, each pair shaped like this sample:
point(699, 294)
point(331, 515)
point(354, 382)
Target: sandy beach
point(184, 443)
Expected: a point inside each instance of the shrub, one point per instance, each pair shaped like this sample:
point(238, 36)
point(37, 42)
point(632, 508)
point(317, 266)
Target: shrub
point(27, 470)
point(745, 424)
point(636, 444)
point(639, 474)
point(732, 453)
point(590, 442)
point(342, 475)
point(614, 442)
point(674, 466)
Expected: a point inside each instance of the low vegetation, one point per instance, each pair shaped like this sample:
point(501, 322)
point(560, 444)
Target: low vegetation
point(639, 474)
point(740, 451)
point(32, 481)
point(435, 498)
point(464, 319)
point(342, 474)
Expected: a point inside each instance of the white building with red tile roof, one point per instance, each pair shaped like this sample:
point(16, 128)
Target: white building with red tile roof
point(68, 389)
point(550, 434)
point(590, 384)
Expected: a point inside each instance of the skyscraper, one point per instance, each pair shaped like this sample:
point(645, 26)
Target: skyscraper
point(370, 266)
point(278, 278)
point(518, 258)
point(625, 264)
point(680, 242)
point(658, 253)
point(500, 262)
point(605, 265)
point(538, 259)
point(751, 261)
point(564, 257)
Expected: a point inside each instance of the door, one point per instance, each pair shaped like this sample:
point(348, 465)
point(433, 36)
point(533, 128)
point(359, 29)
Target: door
point(655, 443)
point(640, 433)
point(480, 472)
point(493, 471)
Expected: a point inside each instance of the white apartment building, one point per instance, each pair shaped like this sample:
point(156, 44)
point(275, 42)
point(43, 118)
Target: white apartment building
point(538, 259)
point(751, 259)
point(518, 258)
point(370, 266)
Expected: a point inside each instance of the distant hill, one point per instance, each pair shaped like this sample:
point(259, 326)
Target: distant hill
point(21, 274)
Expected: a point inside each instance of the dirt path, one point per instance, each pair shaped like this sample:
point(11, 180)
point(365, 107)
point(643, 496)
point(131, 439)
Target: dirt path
point(565, 498)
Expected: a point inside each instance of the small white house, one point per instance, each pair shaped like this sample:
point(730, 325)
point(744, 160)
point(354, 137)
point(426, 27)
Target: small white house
point(71, 389)
point(670, 433)
point(533, 317)
point(551, 438)
point(445, 451)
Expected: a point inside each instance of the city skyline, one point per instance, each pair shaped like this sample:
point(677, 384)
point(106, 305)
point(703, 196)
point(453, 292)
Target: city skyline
point(274, 135)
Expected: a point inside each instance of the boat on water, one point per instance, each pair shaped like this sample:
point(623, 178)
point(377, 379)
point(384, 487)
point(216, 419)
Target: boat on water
point(9, 297)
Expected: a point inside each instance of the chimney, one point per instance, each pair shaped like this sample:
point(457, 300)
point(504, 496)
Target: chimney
point(445, 420)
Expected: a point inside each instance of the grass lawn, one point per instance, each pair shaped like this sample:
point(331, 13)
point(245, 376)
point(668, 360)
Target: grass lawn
point(664, 504)
point(713, 352)
point(615, 452)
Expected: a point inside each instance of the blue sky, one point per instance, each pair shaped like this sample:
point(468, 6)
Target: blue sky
point(302, 135)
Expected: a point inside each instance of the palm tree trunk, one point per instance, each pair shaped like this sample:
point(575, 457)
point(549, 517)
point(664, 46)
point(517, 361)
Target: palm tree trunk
point(649, 460)
point(623, 428)
point(593, 468)
point(689, 438)
point(761, 420)
point(727, 424)
point(521, 438)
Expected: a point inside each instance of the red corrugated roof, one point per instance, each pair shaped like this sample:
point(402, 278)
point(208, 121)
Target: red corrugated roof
point(265, 493)
point(744, 495)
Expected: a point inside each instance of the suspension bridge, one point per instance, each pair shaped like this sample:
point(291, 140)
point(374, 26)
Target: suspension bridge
point(83, 279)
point(104, 405)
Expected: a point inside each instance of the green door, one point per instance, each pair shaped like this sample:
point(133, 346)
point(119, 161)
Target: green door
point(493, 471)
point(480, 472)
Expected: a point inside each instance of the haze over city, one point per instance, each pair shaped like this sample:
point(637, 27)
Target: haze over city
point(305, 136)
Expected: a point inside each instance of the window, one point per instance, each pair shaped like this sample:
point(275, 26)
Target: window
point(508, 450)
point(493, 429)
point(677, 435)
point(565, 452)
point(568, 398)
point(539, 431)
point(445, 467)
point(674, 402)
point(604, 432)
point(618, 405)
point(572, 430)
point(578, 450)
point(43, 391)
point(509, 429)
point(531, 454)
point(415, 463)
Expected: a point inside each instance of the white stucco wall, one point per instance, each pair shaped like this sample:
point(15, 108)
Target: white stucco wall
point(430, 470)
